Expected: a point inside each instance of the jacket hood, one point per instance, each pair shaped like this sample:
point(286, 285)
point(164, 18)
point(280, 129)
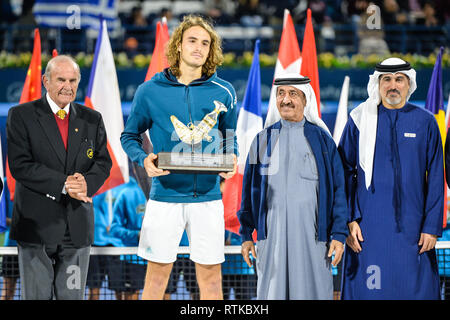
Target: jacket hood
point(167, 77)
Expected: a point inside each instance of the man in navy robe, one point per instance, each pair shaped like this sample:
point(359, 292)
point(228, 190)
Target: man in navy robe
point(393, 160)
point(293, 195)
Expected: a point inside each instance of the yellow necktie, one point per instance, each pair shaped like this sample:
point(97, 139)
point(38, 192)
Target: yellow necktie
point(61, 114)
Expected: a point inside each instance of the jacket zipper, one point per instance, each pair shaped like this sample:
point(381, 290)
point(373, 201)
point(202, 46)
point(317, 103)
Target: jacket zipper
point(190, 119)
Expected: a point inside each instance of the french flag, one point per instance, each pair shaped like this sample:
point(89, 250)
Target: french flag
point(249, 124)
point(289, 61)
point(103, 96)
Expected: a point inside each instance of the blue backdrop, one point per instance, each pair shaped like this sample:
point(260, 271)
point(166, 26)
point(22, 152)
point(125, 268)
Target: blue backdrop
point(11, 82)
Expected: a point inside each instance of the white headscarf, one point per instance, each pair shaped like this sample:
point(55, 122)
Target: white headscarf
point(310, 111)
point(365, 116)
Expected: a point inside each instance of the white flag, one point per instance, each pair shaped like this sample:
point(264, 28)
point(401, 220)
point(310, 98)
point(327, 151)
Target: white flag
point(103, 95)
point(342, 112)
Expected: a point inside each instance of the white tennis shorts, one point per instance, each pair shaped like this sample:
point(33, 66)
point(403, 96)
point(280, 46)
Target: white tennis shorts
point(165, 222)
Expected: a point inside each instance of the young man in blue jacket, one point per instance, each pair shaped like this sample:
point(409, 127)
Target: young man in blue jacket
point(293, 195)
point(183, 96)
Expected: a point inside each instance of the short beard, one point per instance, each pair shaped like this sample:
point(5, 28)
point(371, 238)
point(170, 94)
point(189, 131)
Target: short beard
point(394, 101)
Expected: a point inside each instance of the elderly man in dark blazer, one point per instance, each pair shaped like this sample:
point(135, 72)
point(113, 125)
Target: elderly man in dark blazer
point(57, 152)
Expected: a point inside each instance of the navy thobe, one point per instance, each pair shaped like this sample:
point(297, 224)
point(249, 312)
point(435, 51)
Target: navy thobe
point(405, 198)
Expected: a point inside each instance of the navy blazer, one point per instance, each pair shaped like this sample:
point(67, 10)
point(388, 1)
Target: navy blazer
point(333, 212)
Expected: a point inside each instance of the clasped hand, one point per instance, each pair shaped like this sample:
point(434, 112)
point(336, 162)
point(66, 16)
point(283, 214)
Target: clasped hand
point(76, 187)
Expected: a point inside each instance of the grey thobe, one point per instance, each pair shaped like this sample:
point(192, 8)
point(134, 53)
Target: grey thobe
point(291, 263)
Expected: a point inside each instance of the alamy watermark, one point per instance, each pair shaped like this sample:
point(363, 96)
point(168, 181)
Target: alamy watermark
point(374, 278)
point(74, 279)
point(74, 19)
point(268, 159)
point(374, 20)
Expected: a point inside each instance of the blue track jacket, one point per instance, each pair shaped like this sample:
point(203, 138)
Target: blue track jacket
point(154, 103)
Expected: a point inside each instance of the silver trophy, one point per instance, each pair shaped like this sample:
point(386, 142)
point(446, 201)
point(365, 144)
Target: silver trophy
point(194, 162)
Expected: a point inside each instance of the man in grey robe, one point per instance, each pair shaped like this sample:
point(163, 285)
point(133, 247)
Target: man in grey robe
point(294, 197)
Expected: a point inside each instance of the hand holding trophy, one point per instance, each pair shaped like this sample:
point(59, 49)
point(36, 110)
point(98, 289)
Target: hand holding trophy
point(195, 162)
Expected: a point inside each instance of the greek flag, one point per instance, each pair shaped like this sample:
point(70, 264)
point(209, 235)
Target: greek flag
point(76, 14)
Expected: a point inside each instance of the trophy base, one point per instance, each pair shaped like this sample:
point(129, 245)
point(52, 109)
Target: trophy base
point(202, 163)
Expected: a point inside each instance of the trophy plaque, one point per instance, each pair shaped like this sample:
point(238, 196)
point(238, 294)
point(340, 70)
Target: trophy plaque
point(195, 162)
point(186, 162)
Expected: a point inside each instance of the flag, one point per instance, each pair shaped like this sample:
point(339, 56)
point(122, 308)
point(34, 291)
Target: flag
point(435, 104)
point(3, 225)
point(32, 87)
point(342, 112)
point(157, 64)
point(310, 67)
point(31, 91)
point(103, 95)
point(159, 59)
point(76, 14)
point(447, 113)
point(289, 61)
point(249, 123)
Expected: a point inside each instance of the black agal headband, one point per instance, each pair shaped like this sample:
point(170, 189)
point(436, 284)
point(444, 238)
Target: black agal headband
point(392, 68)
point(291, 81)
